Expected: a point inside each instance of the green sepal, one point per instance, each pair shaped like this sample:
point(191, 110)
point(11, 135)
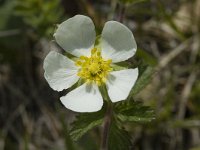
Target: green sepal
point(120, 66)
point(70, 56)
point(97, 41)
point(104, 92)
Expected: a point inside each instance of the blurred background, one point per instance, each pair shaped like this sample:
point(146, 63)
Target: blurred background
point(168, 36)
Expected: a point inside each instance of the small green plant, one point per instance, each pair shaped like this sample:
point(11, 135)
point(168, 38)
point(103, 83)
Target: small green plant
point(105, 93)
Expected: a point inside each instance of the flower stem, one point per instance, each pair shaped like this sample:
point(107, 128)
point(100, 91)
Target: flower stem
point(109, 112)
point(106, 127)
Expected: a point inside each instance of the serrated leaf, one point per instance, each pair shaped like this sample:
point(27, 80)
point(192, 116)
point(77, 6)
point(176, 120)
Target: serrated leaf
point(134, 112)
point(143, 80)
point(85, 122)
point(118, 138)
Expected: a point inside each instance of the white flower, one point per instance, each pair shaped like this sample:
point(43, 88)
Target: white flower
point(94, 65)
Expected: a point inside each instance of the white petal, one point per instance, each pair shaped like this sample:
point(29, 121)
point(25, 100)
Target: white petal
point(85, 98)
point(118, 42)
point(76, 35)
point(120, 83)
point(60, 71)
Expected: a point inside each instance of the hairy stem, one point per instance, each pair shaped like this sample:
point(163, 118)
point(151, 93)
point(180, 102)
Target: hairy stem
point(108, 116)
point(106, 127)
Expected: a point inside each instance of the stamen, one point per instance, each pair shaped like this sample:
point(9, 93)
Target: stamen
point(78, 63)
point(93, 51)
point(94, 68)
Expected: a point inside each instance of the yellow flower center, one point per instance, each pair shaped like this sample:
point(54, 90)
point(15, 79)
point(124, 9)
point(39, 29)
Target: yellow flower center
point(94, 68)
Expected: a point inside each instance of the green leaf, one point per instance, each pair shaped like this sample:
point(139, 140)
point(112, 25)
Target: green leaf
point(118, 138)
point(143, 80)
point(84, 122)
point(134, 112)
